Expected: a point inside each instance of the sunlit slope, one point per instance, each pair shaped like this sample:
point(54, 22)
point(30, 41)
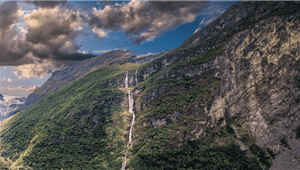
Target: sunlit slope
point(72, 128)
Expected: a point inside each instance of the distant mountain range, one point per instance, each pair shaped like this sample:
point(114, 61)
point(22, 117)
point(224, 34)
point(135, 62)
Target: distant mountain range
point(9, 104)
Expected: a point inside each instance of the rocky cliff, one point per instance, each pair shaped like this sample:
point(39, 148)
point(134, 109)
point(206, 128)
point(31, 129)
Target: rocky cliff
point(252, 50)
point(227, 98)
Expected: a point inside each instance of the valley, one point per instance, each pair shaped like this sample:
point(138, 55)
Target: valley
point(226, 98)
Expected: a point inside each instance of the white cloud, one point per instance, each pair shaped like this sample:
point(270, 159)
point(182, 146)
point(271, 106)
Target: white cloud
point(4, 78)
point(22, 88)
point(9, 80)
point(143, 20)
point(100, 33)
point(16, 72)
point(101, 51)
point(35, 70)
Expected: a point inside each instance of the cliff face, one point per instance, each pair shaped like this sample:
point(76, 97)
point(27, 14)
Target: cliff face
point(260, 85)
point(257, 65)
point(227, 98)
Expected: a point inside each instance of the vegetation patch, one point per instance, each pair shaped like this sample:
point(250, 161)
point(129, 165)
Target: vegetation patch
point(171, 102)
point(284, 143)
point(3, 166)
point(194, 155)
point(77, 127)
point(149, 83)
point(264, 159)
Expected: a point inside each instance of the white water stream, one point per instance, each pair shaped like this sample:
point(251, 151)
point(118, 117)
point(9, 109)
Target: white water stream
point(130, 100)
point(136, 81)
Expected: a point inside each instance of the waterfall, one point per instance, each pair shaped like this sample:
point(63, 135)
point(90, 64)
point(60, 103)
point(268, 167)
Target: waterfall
point(136, 81)
point(130, 101)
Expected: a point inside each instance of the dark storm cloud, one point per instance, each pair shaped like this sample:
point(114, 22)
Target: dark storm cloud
point(106, 1)
point(46, 3)
point(49, 36)
point(12, 48)
point(144, 20)
point(8, 15)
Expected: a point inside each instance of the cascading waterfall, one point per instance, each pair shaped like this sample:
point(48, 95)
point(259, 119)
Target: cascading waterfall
point(130, 100)
point(136, 81)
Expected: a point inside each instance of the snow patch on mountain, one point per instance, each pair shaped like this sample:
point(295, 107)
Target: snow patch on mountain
point(8, 104)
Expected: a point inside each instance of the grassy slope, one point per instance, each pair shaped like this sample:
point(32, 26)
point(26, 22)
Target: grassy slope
point(71, 128)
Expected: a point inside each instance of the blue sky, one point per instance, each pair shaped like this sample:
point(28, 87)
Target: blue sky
point(21, 79)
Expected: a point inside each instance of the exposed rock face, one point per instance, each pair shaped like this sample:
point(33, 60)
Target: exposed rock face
point(160, 122)
point(260, 83)
point(259, 75)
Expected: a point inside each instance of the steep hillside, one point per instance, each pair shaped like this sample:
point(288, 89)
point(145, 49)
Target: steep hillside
point(227, 98)
point(72, 72)
point(240, 71)
point(80, 126)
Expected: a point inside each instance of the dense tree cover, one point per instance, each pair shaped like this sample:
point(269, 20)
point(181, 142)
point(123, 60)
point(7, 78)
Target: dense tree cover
point(70, 128)
point(261, 154)
point(195, 155)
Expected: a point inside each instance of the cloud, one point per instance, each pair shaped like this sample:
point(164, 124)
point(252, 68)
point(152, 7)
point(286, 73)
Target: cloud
point(35, 70)
point(9, 80)
point(9, 12)
point(15, 73)
point(101, 51)
point(48, 36)
point(48, 4)
point(99, 33)
point(22, 88)
point(141, 20)
point(4, 78)
point(104, 3)
point(204, 21)
point(51, 36)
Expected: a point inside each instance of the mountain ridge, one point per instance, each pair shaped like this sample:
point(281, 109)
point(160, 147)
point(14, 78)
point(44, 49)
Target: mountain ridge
point(72, 72)
point(229, 92)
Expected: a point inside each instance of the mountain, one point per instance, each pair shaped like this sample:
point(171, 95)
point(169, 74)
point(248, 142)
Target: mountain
point(227, 98)
point(9, 105)
point(72, 72)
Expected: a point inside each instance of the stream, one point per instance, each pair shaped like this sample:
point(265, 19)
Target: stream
point(130, 101)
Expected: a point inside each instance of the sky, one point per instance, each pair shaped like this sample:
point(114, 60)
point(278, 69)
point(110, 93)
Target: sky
point(38, 37)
